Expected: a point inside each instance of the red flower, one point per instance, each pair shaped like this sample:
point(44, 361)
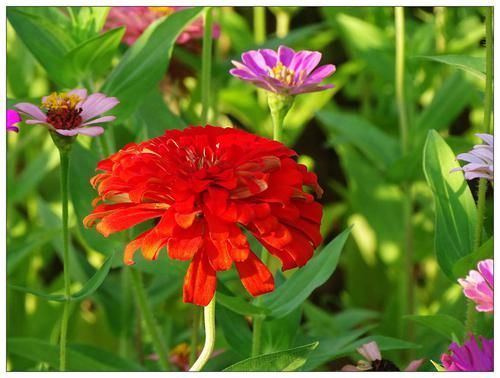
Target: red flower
point(206, 185)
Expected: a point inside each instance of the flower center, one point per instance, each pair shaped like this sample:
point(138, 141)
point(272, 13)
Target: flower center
point(285, 75)
point(163, 11)
point(62, 111)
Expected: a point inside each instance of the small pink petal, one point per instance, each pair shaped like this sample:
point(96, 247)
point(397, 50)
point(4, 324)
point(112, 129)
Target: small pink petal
point(99, 120)
point(82, 93)
point(90, 131)
point(97, 104)
point(71, 132)
point(31, 110)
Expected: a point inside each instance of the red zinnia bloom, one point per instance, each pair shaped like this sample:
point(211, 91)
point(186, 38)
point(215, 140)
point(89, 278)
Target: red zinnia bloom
point(207, 184)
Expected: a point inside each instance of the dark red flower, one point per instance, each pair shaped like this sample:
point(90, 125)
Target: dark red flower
point(206, 185)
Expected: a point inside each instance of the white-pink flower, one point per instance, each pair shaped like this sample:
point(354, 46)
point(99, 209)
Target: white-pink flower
point(71, 113)
point(478, 286)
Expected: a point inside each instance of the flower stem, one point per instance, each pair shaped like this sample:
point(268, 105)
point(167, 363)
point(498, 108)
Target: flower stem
point(483, 183)
point(64, 158)
point(282, 24)
point(259, 24)
point(149, 320)
point(407, 295)
point(195, 335)
point(206, 67)
point(209, 317)
point(488, 97)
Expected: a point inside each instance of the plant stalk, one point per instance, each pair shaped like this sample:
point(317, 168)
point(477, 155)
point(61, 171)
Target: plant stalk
point(259, 24)
point(407, 294)
point(483, 183)
point(209, 317)
point(282, 24)
point(206, 67)
point(64, 158)
point(149, 320)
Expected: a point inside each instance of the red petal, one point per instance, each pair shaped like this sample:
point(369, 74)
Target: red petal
point(218, 254)
point(200, 281)
point(185, 243)
point(255, 276)
point(132, 247)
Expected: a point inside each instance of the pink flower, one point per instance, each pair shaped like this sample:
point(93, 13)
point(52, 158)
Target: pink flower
point(13, 118)
point(71, 113)
point(479, 159)
point(137, 19)
point(478, 286)
point(284, 72)
point(375, 362)
point(469, 357)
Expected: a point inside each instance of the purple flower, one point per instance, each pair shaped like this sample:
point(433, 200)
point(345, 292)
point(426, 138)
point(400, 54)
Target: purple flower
point(480, 160)
point(469, 357)
point(71, 113)
point(284, 71)
point(375, 362)
point(13, 118)
point(478, 286)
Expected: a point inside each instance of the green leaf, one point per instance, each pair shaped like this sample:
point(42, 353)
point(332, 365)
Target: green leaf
point(446, 325)
point(287, 360)
point(88, 289)
point(235, 329)
point(469, 262)
point(454, 205)
point(279, 334)
point(41, 351)
point(380, 148)
point(145, 63)
point(93, 57)
point(473, 64)
point(239, 306)
point(47, 39)
point(295, 290)
point(438, 366)
point(106, 358)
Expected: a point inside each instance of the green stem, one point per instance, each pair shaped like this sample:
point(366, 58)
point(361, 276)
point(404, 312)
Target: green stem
point(64, 158)
point(488, 97)
point(209, 316)
point(406, 292)
point(126, 306)
point(483, 183)
point(259, 24)
point(282, 24)
point(195, 335)
point(149, 320)
point(206, 67)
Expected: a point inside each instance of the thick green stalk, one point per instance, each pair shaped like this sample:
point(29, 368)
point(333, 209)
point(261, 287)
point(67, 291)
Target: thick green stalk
point(209, 317)
point(195, 335)
point(64, 158)
point(259, 24)
point(149, 320)
point(282, 24)
point(483, 183)
point(406, 292)
point(488, 96)
point(206, 65)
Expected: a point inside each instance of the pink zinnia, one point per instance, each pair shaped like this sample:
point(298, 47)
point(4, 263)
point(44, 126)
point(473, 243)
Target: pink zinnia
point(478, 286)
point(71, 113)
point(13, 118)
point(469, 357)
point(284, 72)
point(479, 159)
point(137, 19)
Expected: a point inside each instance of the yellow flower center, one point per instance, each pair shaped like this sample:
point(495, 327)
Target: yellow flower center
point(61, 101)
point(285, 74)
point(164, 11)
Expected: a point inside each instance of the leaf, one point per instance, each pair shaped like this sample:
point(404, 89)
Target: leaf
point(107, 358)
point(88, 289)
point(295, 290)
point(239, 306)
point(93, 57)
point(469, 262)
point(446, 325)
point(380, 148)
point(47, 39)
point(41, 351)
point(146, 61)
point(288, 360)
point(454, 205)
point(235, 329)
point(473, 64)
point(279, 334)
